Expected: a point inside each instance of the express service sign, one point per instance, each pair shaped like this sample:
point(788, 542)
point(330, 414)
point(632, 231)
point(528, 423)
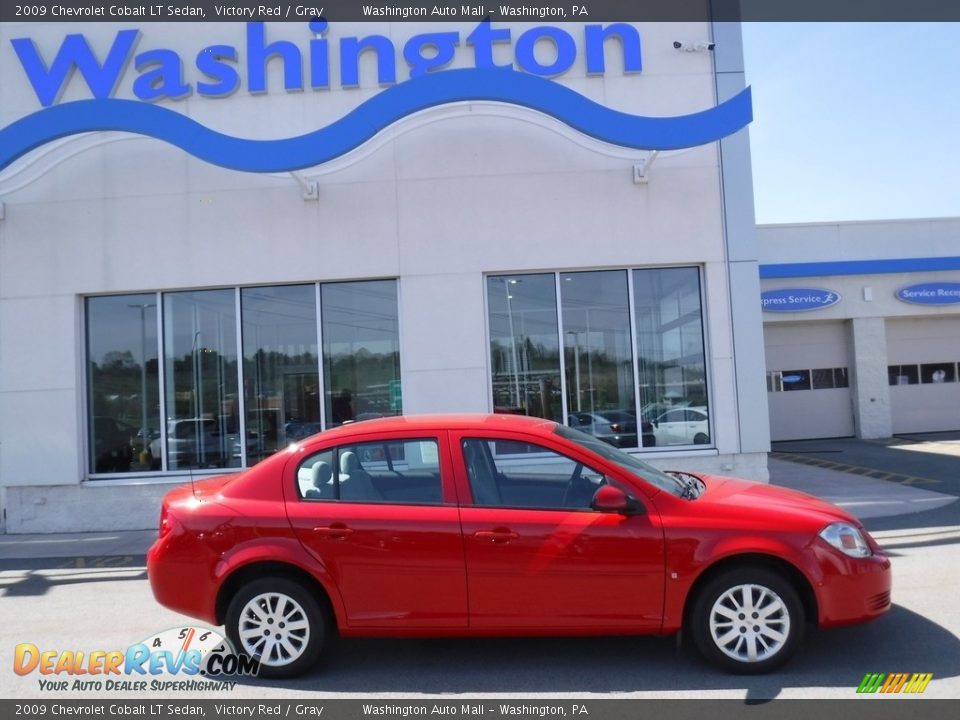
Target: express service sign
point(798, 299)
point(939, 293)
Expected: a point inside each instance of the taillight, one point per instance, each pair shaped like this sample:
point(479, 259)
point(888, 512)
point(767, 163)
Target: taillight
point(164, 520)
point(615, 427)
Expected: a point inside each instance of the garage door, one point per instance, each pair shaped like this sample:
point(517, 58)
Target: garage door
point(808, 380)
point(922, 355)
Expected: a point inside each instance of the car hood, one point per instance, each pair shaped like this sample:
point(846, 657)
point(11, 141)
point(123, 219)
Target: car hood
point(731, 497)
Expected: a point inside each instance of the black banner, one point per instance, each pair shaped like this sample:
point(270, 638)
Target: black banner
point(500, 11)
point(491, 708)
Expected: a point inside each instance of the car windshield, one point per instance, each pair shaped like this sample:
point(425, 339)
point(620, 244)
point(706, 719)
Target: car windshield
point(630, 463)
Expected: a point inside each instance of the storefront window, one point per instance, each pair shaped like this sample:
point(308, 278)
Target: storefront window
point(123, 382)
point(202, 400)
point(281, 371)
point(361, 350)
point(670, 354)
point(594, 322)
point(525, 345)
point(598, 355)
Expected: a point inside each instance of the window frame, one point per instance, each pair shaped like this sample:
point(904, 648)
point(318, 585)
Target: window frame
point(447, 492)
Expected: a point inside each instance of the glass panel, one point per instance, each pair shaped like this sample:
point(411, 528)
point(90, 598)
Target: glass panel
point(281, 374)
point(599, 356)
point(796, 380)
point(670, 353)
point(534, 477)
point(123, 382)
point(903, 374)
point(524, 345)
point(822, 378)
point(203, 408)
point(840, 379)
point(393, 471)
point(315, 477)
point(361, 350)
point(938, 372)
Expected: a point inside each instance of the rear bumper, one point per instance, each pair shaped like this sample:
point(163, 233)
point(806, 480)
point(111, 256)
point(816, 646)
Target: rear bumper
point(180, 575)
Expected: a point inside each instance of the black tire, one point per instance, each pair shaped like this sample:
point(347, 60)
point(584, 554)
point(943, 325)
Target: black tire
point(701, 439)
point(278, 663)
point(717, 600)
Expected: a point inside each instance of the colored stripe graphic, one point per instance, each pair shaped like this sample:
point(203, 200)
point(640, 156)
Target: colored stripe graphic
point(918, 683)
point(377, 113)
point(871, 682)
point(894, 683)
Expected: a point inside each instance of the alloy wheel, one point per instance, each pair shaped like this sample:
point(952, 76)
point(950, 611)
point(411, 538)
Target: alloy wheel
point(274, 627)
point(749, 623)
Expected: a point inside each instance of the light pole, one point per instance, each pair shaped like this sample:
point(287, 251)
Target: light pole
point(513, 339)
point(143, 377)
point(576, 363)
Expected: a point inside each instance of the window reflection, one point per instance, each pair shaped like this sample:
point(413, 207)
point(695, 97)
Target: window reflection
point(281, 372)
point(361, 350)
point(598, 355)
point(202, 402)
point(525, 345)
point(670, 352)
point(122, 381)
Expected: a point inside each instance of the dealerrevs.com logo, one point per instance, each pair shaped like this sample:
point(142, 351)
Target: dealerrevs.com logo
point(179, 659)
point(910, 683)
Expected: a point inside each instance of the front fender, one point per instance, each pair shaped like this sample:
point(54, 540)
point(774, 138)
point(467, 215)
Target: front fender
point(690, 557)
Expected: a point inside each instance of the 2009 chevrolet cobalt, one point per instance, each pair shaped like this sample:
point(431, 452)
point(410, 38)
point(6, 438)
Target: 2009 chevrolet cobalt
point(503, 525)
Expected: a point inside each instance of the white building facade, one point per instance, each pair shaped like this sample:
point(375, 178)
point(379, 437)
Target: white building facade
point(163, 316)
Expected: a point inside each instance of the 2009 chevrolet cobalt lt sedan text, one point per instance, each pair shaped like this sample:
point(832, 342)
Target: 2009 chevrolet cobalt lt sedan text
point(503, 525)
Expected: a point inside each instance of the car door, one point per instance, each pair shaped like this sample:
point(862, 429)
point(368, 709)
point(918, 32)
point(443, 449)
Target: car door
point(537, 555)
point(380, 514)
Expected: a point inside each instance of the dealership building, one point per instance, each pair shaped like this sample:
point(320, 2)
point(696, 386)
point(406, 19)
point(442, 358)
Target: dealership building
point(217, 239)
point(861, 327)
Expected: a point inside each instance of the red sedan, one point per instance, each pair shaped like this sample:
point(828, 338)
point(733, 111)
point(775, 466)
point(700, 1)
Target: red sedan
point(503, 525)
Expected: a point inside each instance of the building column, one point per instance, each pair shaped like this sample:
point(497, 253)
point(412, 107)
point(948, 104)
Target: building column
point(871, 386)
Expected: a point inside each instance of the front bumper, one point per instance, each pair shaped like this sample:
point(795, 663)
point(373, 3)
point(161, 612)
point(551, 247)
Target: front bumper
point(851, 590)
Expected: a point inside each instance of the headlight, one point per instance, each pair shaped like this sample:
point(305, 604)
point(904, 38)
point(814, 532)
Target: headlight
point(846, 538)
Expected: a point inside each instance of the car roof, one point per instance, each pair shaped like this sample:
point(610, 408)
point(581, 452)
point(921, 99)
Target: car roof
point(459, 421)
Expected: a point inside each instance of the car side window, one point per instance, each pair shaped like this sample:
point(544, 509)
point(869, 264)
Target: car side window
point(385, 471)
point(529, 476)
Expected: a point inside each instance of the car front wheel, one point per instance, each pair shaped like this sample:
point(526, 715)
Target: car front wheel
point(279, 622)
point(747, 621)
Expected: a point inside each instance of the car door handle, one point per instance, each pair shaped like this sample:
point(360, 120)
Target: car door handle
point(499, 537)
point(334, 532)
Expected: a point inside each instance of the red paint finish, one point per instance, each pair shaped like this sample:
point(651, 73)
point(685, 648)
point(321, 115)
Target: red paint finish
point(452, 567)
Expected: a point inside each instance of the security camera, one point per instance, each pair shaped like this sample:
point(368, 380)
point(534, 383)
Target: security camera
point(693, 47)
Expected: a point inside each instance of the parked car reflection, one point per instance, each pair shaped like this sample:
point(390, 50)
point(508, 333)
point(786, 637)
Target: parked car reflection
point(683, 426)
point(195, 442)
point(616, 427)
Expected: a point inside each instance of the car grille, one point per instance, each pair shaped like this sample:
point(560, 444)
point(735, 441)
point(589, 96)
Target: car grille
point(879, 601)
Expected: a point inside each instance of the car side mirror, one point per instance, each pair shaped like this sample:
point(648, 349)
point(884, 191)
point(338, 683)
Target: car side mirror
point(609, 498)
